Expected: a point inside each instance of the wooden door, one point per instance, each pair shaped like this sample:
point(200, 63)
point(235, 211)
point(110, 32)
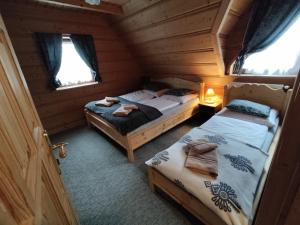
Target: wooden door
point(280, 202)
point(31, 190)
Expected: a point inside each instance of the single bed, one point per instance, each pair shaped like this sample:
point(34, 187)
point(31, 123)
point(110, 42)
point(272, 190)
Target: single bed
point(172, 114)
point(224, 200)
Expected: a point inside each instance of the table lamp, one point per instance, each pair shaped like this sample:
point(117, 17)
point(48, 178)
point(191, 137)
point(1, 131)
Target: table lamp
point(209, 96)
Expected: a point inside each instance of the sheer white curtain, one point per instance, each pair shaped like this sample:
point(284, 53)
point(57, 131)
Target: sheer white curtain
point(281, 58)
point(73, 69)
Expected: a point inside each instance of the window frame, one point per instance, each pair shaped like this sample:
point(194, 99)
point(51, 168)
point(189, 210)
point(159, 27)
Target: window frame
point(66, 38)
point(266, 75)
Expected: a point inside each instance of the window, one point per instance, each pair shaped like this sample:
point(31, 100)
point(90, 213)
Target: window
point(281, 58)
point(73, 69)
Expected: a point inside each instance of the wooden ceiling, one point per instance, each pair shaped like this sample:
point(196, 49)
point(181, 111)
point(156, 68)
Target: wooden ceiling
point(104, 7)
point(176, 37)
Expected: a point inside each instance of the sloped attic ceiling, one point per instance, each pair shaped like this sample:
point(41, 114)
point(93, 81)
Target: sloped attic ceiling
point(176, 37)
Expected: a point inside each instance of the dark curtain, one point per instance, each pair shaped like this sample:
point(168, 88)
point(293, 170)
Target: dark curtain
point(51, 49)
point(269, 19)
point(84, 45)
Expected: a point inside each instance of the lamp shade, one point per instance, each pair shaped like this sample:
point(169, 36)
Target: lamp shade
point(210, 92)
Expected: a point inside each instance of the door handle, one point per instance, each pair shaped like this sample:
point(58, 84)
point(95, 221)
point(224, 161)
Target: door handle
point(61, 146)
point(62, 149)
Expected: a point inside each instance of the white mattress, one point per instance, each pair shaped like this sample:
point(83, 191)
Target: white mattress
point(137, 96)
point(160, 104)
point(250, 133)
point(175, 110)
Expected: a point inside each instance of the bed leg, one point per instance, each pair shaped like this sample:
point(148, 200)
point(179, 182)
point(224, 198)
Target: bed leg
point(86, 118)
point(88, 124)
point(150, 178)
point(130, 155)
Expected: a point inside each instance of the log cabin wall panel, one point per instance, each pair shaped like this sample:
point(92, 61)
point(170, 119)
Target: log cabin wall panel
point(294, 212)
point(172, 37)
point(60, 110)
point(232, 33)
point(183, 38)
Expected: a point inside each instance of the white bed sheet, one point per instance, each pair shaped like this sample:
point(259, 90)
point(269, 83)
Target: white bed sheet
point(137, 96)
point(250, 133)
point(192, 104)
point(271, 131)
point(160, 104)
point(271, 121)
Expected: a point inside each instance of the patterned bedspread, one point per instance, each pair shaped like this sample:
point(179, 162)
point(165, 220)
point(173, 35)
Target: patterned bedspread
point(232, 193)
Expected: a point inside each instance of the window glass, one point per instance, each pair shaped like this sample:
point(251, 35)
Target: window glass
point(280, 58)
point(73, 69)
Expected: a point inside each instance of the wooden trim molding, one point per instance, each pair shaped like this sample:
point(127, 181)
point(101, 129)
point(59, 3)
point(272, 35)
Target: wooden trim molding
point(104, 7)
point(216, 29)
point(287, 80)
point(77, 85)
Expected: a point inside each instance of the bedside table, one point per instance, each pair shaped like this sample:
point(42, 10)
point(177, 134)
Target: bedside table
point(206, 110)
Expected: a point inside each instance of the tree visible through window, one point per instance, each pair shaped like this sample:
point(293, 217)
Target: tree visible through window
point(73, 69)
point(281, 58)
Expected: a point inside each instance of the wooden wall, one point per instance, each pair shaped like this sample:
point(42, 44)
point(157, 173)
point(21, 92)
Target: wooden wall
point(174, 37)
point(189, 39)
point(194, 39)
point(233, 30)
point(63, 109)
point(293, 216)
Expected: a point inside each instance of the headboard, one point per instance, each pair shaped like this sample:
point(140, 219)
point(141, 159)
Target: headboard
point(272, 95)
point(180, 83)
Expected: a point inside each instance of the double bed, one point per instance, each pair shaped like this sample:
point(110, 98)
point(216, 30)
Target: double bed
point(172, 114)
point(245, 151)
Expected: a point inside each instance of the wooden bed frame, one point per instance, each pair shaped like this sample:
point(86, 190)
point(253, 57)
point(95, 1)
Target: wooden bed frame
point(147, 132)
point(273, 95)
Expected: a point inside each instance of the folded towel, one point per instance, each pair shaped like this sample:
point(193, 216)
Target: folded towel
point(121, 111)
point(112, 99)
point(206, 163)
point(130, 106)
point(202, 157)
point(103, 102)
point(200, 145)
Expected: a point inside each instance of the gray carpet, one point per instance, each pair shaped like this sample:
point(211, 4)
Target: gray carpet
point(107, 190)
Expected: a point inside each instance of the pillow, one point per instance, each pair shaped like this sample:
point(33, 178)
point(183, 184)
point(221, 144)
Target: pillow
point(156, 93)
point(249, 107)
point(270, 121)
point(180, 99)
point(179, 92)
point(273, 117)
point(155, 86)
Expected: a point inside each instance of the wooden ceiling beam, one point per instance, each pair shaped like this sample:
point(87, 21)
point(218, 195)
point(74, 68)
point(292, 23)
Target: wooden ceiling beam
point(104, 7)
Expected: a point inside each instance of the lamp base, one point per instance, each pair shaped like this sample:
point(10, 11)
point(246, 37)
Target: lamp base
point(209, 101)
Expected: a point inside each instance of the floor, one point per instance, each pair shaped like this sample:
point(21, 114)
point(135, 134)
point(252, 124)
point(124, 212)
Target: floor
point(107, 190)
